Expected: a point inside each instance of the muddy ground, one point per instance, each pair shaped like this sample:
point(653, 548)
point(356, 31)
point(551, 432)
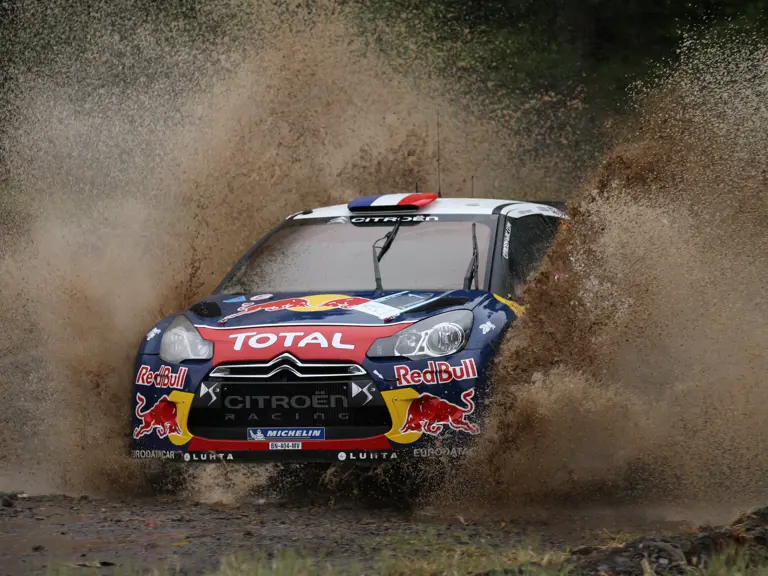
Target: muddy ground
point(39, 533)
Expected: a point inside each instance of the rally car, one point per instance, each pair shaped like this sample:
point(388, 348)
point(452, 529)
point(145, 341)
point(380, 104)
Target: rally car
point(362, 331)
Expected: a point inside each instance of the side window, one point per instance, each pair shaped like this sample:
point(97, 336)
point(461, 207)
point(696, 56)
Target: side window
point(529, 240)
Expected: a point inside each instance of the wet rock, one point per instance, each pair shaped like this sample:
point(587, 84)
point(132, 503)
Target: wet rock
point(662, 557)
point(94, 564)
point(700, 547)
point(676, 555)
point(8, 499)
point(756, 518)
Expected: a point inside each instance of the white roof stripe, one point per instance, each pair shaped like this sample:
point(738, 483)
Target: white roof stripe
point(439, 206)
point(388, 199)
point(516, 209)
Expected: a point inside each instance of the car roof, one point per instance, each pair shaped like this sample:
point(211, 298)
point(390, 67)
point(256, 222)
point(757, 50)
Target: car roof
point(446, 206)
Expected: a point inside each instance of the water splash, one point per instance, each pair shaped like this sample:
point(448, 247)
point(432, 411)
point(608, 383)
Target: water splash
point(146, 152)
point(641, 375)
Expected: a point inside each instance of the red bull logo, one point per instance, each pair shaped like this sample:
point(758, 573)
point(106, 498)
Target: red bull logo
point(161, 418)
point(163, 378)
point(314, 303)
point(345, 302)
point(435, 373)
point(430, 414)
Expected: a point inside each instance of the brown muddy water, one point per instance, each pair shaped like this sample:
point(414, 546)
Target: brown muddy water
point(631, 397)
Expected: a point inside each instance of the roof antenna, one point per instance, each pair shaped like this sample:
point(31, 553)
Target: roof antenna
point(439, 188)
point(473, 186)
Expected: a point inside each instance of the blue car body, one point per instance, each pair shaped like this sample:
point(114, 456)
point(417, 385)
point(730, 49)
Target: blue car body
point(303, 354)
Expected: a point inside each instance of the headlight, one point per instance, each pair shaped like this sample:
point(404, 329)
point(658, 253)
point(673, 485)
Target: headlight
point(439, 335)
point(181, 341)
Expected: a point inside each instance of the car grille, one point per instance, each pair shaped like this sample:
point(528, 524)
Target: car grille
point(286, 364)
point(288, 393)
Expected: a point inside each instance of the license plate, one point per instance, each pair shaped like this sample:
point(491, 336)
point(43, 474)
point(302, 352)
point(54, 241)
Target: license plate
point(285, 445)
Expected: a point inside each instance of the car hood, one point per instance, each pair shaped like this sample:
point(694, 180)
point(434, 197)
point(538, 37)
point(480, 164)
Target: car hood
point(352, 308)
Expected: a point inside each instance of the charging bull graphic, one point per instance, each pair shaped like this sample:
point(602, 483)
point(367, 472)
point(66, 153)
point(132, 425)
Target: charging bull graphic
point(160, 418)
point(346, 302)
point(315, 303)
point(429, 414)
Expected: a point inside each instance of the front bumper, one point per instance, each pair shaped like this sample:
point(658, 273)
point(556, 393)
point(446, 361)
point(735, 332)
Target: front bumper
point(199, 413)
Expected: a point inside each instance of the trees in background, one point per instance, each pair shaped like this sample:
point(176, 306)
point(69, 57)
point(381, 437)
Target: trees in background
point(564, 46)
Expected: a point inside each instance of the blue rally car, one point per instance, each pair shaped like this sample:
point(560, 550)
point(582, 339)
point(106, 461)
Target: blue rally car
point(354, 332)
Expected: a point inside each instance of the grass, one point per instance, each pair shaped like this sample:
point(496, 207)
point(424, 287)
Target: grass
point(450, 555)
point(732, 562)
point(432, 556)
point(440, 560)
point(465, 561)
point(401, 558)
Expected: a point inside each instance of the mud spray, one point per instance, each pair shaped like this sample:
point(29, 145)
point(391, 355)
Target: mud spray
point(145, 152)
point(642, 375)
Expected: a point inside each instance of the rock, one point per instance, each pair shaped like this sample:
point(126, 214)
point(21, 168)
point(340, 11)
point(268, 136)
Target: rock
point(699, 547)
point(662, 557)
point(582, 550)
point(38, 548)
point(757, 517)
point(8, 498)
point(662, 550)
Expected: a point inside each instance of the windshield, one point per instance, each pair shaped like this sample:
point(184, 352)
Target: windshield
point(324, 255)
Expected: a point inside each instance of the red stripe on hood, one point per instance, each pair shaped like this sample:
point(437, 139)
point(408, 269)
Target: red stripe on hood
point(337, 342)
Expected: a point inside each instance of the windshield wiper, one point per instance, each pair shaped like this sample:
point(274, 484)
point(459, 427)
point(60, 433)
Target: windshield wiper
point(388, 239)
point(472, 271)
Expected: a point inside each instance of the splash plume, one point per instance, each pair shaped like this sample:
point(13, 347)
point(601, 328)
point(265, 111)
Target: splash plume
point(642, 373)
point(147, 155)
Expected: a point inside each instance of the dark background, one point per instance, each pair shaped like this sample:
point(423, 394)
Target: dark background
point(581, 54)
point(594, 47)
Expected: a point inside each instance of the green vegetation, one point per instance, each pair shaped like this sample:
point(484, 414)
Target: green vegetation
point(587, 49)
point(441, 562)
point(558, 73)
point(559, 67)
